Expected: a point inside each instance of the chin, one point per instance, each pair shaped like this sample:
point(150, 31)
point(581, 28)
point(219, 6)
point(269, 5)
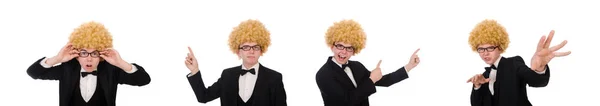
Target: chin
point(342, 61)
point(252, 62)
point(88, 70)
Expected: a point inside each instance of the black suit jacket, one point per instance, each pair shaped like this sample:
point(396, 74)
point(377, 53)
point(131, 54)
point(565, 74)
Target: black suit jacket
point(338, 90)
point(268, 90)
point(512, 78)
point(68, 74)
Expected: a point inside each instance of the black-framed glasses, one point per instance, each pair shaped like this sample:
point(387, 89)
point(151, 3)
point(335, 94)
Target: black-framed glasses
point(342, 47)
point(247, 48)
point(84, 53)
point(486, 49)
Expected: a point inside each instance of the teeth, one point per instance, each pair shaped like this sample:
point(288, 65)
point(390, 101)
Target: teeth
point(342, 57)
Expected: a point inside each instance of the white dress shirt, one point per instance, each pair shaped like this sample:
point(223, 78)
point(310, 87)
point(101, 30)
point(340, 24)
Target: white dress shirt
point(347, 70)
point(247, 82)
point(88, 83)
point(493, 72)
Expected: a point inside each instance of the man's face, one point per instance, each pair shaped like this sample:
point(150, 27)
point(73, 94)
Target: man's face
point(88, 59)
point(489, 53)
point(249, 53)
point(342, 52)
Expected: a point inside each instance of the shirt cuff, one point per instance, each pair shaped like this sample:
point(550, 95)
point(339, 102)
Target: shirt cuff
point(133, 69)
point(43, 63)
point(476, 88)
point(543, 72)
point(190, 74)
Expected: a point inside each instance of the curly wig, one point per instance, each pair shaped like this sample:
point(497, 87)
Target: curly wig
point(249, 31)
point(91, 35)
point(489, 32)
point(347, 31)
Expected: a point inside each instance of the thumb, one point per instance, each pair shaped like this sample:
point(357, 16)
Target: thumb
point(378, 64)
point(487, 80)
point(103, 56)
point(73, 56)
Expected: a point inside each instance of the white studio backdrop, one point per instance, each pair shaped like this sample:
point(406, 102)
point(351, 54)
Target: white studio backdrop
point(155, 35)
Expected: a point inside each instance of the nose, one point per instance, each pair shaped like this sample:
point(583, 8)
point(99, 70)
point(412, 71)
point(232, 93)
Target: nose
point(485, 53)
point(251, 51)
point(89, 59)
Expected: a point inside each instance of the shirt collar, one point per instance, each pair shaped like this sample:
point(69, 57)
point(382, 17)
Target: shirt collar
point(497, 61)
point(333, 59)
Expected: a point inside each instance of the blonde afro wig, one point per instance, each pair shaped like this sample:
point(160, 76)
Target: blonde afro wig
point(347, 31)
point(489, 32)
point(247, 32)
point(91, 35)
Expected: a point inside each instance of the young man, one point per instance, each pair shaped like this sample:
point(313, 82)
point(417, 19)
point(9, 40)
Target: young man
point(92, 78)
point(349, 83)
point(504, 82)
point(249, 84)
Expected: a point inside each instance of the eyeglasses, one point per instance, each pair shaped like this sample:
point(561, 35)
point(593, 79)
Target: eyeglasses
point(247, 48)
point(486, 49)
point(342, 47)
point(84, 53)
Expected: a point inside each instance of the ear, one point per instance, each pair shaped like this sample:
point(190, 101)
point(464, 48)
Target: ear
point(331, 47)
point(239, 54)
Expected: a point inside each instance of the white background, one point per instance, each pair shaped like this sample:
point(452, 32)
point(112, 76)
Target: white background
point(156, 34)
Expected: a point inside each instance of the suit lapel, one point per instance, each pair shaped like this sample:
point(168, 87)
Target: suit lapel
point(262, 83)
point(104, 72)
point(340, 75)
point(234, 78)
point(356, 73)
point(500, 74)
point(261, 80)
point(73, 78)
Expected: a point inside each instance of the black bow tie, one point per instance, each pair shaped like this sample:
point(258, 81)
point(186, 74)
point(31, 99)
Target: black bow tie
point(344, 66)
point(83, 74)
point(243, 72)
point(491, 67)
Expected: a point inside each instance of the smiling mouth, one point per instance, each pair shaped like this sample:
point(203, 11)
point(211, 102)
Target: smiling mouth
point(487, 58)
point(342, 57)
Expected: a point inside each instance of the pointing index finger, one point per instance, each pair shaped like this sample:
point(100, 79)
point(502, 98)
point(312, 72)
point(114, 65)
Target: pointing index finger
point(416, 51)
point(190, 49)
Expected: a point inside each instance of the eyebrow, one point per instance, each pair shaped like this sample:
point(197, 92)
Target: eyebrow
point(249, 45)
point(90, 51)
point(341, 44)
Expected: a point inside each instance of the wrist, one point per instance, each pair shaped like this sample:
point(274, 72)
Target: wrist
point(52, 60)
point(541, 69)
point(194, 71)
point(372, 79)
point(407, 67)
point(124, 65)
point(477, 85)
